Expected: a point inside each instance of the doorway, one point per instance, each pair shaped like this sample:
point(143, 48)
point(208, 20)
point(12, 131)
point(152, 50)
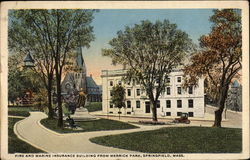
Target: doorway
point(147, 105)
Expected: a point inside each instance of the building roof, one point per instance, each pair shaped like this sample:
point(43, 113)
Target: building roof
point(91, 83)
point(235, 84)
point(92, 87)
point(100, 87)
point(28, 58)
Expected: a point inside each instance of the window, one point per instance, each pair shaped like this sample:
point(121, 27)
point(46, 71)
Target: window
point(128, 104)
point(190, 103)
point(111, 83)
point(179, 90)
point(128, 83)
point(138, 92)
point(119, 82)
point(190, 89)
point(158, 104)
point(178, 79)
point(179, 103)
point(129, 92)
point(168, 91)
point(168, 80)
point(157, 80)
point(110, 105)
point(138, 104)
point(133, 81)
point(190, 114)
point(128, 112)
point(168, 113)
point(168, 103)
point(179, 113)
point(111, 93)
point(111, 112)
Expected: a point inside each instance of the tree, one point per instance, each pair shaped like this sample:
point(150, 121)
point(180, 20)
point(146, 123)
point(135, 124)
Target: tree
point(150, 51)
point(19, 79)
point(27, 34)
point(118, 97)
point(220, 57)
point(52, 35)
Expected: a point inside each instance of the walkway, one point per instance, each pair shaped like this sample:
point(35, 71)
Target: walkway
point(31, 131)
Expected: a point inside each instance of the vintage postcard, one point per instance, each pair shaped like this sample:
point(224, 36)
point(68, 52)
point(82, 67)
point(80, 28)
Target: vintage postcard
point(124, 80)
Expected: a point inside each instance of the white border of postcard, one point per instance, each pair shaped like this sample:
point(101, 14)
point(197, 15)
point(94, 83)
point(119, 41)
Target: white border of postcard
point(125, 5)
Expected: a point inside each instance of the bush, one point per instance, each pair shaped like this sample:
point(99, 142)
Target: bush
point(94, 106)
point(152, 122)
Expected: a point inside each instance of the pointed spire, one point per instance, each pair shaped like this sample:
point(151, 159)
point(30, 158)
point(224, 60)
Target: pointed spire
point(28, 61)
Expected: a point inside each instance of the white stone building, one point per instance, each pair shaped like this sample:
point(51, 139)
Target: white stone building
point(171, 104)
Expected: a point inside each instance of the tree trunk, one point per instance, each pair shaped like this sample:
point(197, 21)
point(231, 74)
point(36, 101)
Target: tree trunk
point(51, 112)
point(59, 99)
point(221, 104)
point(154, 111)
point(119, 113)
point(59, 102)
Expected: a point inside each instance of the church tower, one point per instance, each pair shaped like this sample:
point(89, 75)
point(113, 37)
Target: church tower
point(81, 75)
point(76, 79)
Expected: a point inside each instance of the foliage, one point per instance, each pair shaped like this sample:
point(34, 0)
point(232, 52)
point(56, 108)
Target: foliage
point(50, 36)
point(177, 140)
point(40, 99)
point(15, 145)
point(118, 97)
point(150, 51)
point(19, 111)
point(94, 106)
point(234, 99)
point(87, 126)
point(20, 80)
point(220, 58)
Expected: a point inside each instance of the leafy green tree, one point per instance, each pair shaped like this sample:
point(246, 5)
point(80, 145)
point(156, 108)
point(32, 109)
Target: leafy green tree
point(51, 35)
point(150, 51)
point(27, 35)
point(20, 80)
point(118, 98)
point(219, 59)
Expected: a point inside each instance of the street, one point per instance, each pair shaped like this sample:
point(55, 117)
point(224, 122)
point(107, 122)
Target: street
point(232, 119)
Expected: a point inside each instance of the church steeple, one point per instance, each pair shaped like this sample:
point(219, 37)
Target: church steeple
point(79, 60)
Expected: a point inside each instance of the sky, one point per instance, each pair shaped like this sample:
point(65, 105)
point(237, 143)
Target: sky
point(195, 22)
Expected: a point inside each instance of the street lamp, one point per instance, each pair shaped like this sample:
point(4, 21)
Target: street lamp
point(29, 61)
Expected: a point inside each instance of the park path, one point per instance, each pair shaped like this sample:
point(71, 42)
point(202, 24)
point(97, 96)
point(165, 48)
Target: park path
point(31, 131)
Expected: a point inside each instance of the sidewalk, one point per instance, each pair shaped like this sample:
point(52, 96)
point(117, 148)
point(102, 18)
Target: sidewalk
point(31, 131)
point(208, 117)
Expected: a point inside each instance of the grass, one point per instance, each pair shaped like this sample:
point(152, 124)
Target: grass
point(178, 140)
point(19, 111)
point(95, 125)
point(94, 106)
point(15, 144)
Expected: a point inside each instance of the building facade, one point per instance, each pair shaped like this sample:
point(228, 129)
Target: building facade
point(80, 81)
point(171, 103)
point(93, 90)
point(76, 80)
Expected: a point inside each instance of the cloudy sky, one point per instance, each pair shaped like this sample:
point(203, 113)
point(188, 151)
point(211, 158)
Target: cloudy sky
point(195, 22)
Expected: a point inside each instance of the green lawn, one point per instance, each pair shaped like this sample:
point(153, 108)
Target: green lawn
point(95, 125)
point(94, 106)
point(178, 140)
point(16, 145)
point(19, 111)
